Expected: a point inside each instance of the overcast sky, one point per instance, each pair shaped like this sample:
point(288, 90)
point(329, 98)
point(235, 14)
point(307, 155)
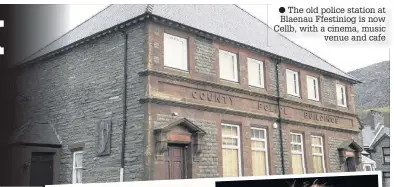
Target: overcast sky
point(345, 57)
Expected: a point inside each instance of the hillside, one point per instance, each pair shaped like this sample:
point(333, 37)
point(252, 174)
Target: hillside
point(374, 92)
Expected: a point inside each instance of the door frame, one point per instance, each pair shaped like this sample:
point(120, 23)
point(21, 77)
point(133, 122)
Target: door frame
point(24, 162)
point(187, 158)
point(52, 154)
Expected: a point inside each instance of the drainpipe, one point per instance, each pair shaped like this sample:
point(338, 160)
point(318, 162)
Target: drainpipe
point(124, 107)
point(279, 121)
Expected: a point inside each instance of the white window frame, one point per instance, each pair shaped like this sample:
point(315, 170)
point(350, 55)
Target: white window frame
point(297, 84)
point(238, 147)
point(370, 165)
point(344, 95)
point(315, 87)
point(302, 148)
point(235, 68)
point(322, 151)
point(261, 64)
point(183, 52)
point(260, 149)
point(74, 174)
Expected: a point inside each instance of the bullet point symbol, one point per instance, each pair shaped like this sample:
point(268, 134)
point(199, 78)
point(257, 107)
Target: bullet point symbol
point(282, 9)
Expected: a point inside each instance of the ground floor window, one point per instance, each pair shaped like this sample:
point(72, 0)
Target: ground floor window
point(297, 154)
point(259, 152)
point(77, 166)
point(318, 154)
point(231, 150)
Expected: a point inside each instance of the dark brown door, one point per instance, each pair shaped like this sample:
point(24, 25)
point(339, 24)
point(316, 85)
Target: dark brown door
point(350, 164)
point(176, 162)
point(41, 169)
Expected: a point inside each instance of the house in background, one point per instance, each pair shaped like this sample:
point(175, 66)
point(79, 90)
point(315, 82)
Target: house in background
point(376, 141)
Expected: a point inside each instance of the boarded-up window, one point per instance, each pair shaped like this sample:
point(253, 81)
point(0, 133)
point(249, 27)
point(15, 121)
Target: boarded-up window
point(175, 52)
point(259, 152)
point(341, 95)
point(231, 150)
point(228, 65)
point(256, 73)
point(313, 88)
point(292, 83)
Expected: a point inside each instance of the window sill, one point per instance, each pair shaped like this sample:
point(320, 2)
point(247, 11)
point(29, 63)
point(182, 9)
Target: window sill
point(342, 106)
point(254, 86)
point(231, 81)
point(176, 69)
point(316, 100)
point(297, 96)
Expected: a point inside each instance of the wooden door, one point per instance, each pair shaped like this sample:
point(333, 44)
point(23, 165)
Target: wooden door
point(176, 162)
point(41, 169)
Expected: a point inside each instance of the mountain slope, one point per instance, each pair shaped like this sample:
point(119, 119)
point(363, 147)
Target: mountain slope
point(374, 92)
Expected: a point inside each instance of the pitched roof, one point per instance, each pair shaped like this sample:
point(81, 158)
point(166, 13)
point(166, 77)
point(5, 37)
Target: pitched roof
point(183, 121)
point(383, 132)
point(227, 21)
point(366, 160)
point(368, 135)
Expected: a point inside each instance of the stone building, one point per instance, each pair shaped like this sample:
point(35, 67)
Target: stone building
point(146, 92)
point(376, 140)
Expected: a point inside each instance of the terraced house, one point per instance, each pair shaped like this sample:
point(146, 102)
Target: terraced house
point(146, 92)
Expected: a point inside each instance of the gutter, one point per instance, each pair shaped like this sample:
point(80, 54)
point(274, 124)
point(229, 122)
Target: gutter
point(279, 120)
point(124, 107)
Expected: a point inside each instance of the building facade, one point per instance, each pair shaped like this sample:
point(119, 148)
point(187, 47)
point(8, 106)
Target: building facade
point(156, 97)
point(376, 139)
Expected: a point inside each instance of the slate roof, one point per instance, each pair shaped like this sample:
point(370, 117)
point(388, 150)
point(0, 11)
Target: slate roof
point(35, 133)
point(366, 160)
point(368, 135)
point(382, 132)
point(228, 21)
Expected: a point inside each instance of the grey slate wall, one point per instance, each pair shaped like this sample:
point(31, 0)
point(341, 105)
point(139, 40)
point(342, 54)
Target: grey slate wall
point(134, 147)
point(378, 157)
point(76, 90)
point(329, 91)
point(205, 56)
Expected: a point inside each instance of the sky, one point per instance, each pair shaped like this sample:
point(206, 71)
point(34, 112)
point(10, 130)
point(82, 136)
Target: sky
point(345, 57)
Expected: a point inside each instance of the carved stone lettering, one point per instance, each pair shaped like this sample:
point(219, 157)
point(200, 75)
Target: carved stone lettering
point(320, 117)
point(271, 108)
point(103, 146)
point(212, 97)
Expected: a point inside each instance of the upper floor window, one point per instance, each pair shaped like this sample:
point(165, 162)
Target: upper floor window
point(228, 65)
point(293, 87)
point(313, 88)
point(256, 73)
point(77, 167)
point(341, 95)
point(297, 153)
point(259, 152)
point(386, 175)
point(175, 52)
point(318, 154)
point(386, 155)
point(231, 150)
